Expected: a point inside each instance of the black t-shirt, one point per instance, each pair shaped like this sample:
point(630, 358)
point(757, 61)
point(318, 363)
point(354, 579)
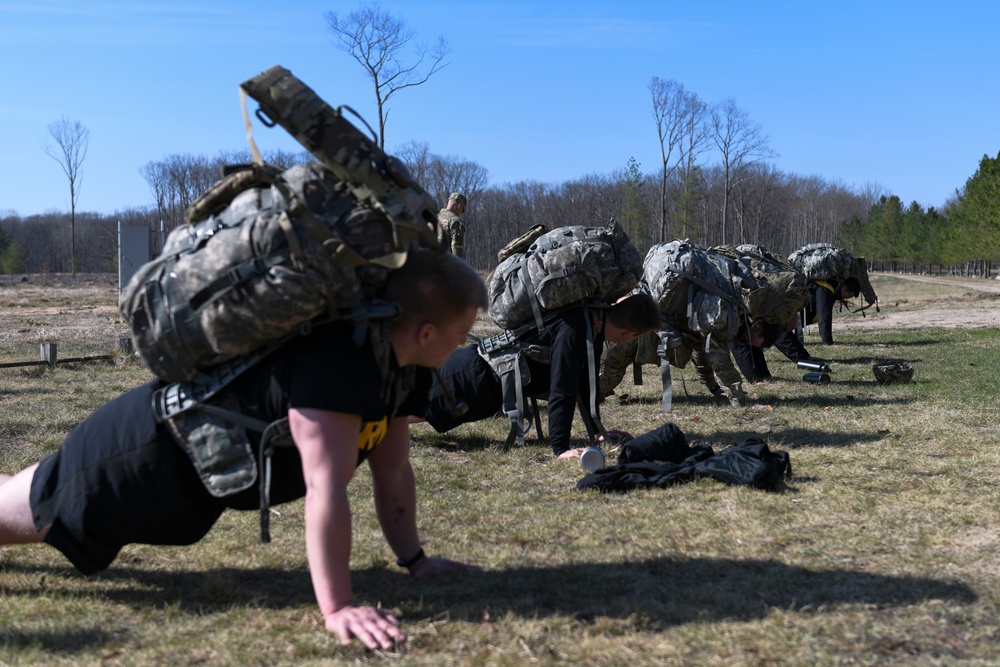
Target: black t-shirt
point(326, 370)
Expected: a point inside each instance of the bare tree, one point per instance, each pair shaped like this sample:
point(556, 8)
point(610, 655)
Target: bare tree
point(157, 177)
point(72, 139)
point(376, 39)
point(418, 158)
point(454, 174)
point(740, 142)
point(680, 125)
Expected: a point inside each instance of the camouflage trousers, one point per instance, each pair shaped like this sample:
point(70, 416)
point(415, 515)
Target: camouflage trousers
point(714, 366)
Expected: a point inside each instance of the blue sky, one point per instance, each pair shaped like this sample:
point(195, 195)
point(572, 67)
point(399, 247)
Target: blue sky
point(899, 94)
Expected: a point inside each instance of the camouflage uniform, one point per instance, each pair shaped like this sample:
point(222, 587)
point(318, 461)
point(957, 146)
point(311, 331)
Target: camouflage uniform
point(452, 232)
point(715, 364)
point(618, 357)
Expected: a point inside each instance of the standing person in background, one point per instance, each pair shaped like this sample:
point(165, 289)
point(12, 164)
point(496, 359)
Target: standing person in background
point(451, 231)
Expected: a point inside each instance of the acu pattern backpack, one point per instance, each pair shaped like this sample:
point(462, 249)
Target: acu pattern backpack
point(827, 262)
point(539, 274)
point(822, 261)
point(696, 288)
point(291, 247)
point(566, 266)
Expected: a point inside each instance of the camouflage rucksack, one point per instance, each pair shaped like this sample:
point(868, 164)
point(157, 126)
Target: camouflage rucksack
point(265, 252)
point(281, 254)
point(824, 261)
point(697, 287)
point(778, 291)
point(564, 267)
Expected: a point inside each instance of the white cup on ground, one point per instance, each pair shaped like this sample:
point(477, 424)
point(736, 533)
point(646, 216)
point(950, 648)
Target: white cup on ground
point(592, 458)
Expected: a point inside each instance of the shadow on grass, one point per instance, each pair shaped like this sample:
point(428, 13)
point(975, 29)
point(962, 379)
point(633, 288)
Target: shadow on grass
point(662, 591)
point(817, 397)
point(26, 391)
point(904, 342)
point(692, 399)
point(671, 591)
point(68, 642)
point(792, 438)
point(870, 360)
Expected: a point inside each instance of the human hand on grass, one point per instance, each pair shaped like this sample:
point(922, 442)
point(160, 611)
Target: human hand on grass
point(571, 453)
point(375, 628)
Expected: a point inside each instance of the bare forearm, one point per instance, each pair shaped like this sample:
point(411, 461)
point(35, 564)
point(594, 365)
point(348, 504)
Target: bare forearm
point(395, 505)
point(328, 546)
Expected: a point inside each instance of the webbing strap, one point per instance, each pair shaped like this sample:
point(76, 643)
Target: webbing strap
point(513, 400)
point(636, 369)
point(249, 126)
point(246, 421)
point(272, 436)
point(537, 416)
point(592, 374)
point(236, 276)
point(178, 397)
point(667, 400)
point(536, 308)
point(704, 284)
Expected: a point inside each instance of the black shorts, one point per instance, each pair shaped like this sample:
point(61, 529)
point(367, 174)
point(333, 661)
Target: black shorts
point(120, 479)
point(472, 381)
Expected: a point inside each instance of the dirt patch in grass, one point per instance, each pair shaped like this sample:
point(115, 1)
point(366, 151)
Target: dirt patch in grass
point(977, 309)
point(38, 309)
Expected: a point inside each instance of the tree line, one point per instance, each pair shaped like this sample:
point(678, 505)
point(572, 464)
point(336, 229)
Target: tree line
point(761, 205)
point(962, 238)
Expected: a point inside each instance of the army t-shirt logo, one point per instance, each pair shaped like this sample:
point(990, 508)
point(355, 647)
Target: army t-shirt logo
point(372, 433)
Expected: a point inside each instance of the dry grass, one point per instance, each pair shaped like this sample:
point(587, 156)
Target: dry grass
point(883, 550)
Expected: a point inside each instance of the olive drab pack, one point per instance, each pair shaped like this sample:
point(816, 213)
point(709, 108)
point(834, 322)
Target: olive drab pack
point(521, 243)
point(700, 289)
point(380, 180)
point(778, 290)
point(566, 266)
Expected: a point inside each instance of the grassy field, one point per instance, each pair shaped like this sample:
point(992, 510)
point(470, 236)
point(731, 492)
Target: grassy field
point(883, 550)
